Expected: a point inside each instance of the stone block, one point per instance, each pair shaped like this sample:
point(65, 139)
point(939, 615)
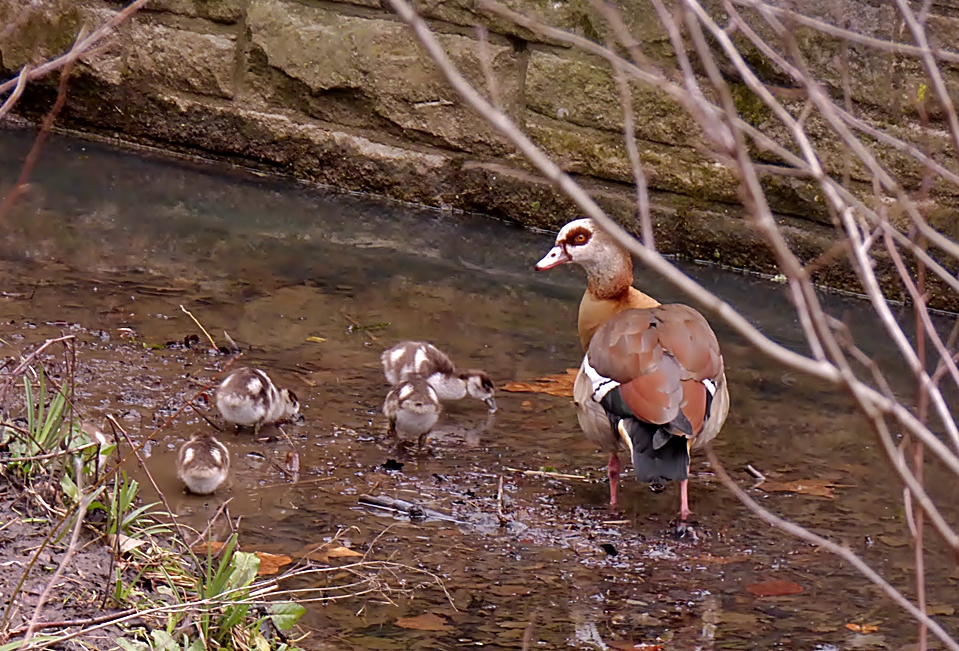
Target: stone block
point(300, 148)
point(584, 92)
point(881, 82)
point(45, 31)
point(603, 154)
point(381, 65)
point(183, 60)
point(564, 15)
point(219, 11)
point(108, 61)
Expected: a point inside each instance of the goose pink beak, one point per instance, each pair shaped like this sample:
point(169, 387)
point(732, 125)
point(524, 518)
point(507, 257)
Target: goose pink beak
point(556, 256)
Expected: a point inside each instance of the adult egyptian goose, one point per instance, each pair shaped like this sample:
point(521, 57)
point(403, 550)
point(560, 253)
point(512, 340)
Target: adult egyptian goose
point(248, 397)
point(413, 408)
point(203, 464)
point(653, 376)
point(409, 358)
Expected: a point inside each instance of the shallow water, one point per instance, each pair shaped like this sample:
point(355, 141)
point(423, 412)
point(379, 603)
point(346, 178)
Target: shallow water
point(105, 241)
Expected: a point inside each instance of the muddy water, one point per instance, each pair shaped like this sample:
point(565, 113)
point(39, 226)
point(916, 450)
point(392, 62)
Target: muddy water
point(108, 246)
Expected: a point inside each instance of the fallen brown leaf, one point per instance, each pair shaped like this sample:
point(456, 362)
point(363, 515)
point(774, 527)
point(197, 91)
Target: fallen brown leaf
point(213, 547)
point(815, 487)
point(559, 385)
point(774, 588)
point(424, 622)
point(862, 628)
point(271, 563)
point(127, 544)
point(634, 646)
point(324, 555)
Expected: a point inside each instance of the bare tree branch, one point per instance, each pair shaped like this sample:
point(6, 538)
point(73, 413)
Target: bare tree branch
point(843, 552)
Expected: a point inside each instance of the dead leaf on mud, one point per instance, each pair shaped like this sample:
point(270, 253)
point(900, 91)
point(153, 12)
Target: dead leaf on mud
point(559, 385)
point(634, 646)
point(940, 609)
point(127, 544)
point(424, 622)
point(862, 628)
point(321, 555)
point(213, 547)
point(774, 588)
point(814, 487)
point(271, 563)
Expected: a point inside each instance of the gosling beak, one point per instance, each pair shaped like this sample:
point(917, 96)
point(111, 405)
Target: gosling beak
point(491, 403)
point(298, 419)
point(624, 435)
point(556, 256)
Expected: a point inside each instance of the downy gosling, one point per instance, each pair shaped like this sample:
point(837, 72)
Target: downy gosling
point(413, 408)
point(203, 464)
point(248, 397)
point(421, 358)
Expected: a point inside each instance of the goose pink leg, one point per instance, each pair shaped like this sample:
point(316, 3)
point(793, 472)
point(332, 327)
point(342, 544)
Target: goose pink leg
point(613, 470)
point(684, 511)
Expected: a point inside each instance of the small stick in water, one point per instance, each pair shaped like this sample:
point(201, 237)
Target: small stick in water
point(200, 326)
point(758, 476)
point(547, 473)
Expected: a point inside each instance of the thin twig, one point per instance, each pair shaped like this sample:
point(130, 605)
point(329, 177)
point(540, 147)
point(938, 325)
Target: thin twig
point(639, 176)
point(67, 556)
point(200, 326)
point(546, 473)
point(17, 91)
point(486, 63)
point(34, 152)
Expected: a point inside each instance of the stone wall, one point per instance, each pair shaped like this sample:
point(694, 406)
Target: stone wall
point(338, 92)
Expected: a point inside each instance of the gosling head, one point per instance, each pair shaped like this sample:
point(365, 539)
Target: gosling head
point(291, 406)
point(480, 386)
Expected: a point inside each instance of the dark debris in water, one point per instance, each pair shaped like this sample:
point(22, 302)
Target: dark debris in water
point(393, 464)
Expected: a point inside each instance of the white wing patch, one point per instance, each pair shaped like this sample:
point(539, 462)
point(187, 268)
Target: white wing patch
point(710, 386)
point(406, 391)
point(188, 455)
point(601, 385)
point(217, 456)
point(396, 355)
point(254, 385)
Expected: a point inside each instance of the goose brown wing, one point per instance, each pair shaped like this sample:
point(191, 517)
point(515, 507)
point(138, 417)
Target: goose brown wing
point(660, 358)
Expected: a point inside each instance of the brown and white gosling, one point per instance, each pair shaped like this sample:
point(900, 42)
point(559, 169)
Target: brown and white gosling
point(413, 408)
point(410, 358)
point(248, 397)
point(203, 464)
